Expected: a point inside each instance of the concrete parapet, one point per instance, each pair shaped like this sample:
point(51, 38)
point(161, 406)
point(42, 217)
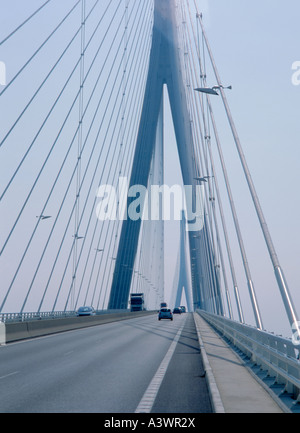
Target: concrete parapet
point(38, 328)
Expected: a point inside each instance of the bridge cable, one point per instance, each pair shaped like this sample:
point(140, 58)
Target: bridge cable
point(119, 69)
point(210, 114)
point(207, 156)
point(124, 37)
point(31, 145)
point(242, 248)
point(107, 269)
point(63, 163)
point(79, 147)
point(39, 49)
point(53, 106)
point(130, 154)
point(129, 247)
point(209, 256)
point(95, 142)
point(93, 120)
point(128, 164)
point(24, 22)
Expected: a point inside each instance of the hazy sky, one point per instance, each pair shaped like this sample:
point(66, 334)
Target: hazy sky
point(255, 44)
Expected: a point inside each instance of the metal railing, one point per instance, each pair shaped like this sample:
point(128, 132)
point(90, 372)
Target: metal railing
point(23, 317)
point(276, 355)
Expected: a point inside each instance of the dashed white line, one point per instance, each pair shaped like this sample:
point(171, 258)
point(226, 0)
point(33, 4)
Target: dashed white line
point(149, 397)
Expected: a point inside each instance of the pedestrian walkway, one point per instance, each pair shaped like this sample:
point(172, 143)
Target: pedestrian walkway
point(233, 388)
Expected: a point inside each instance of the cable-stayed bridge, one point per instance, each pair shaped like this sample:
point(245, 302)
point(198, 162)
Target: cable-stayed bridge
point(85, 206)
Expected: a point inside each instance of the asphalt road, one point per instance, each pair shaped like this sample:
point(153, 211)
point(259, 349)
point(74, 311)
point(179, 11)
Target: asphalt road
point(106, 369)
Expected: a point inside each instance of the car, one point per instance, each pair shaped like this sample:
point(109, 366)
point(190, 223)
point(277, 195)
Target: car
point(86, 311)
point(165, 313)
point(177, 311)
point(183, 309)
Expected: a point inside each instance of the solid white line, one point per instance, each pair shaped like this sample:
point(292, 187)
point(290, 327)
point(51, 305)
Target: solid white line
point(10, 374)
point(214, 392)
point(149, 397)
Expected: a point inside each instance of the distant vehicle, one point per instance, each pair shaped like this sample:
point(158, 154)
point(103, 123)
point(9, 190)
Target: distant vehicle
point(165, 313)
point(163, 305)
point(136, 301)
point(177, 311)
point(86, 311)
point(183, 309)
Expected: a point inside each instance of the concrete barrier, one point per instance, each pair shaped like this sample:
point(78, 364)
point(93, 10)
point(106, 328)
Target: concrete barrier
point(16, 331)
point(38, 328)
point(2, 334)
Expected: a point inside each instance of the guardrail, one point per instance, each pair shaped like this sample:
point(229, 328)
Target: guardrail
point(45, 315)
point(23, 317)
point(276, 355)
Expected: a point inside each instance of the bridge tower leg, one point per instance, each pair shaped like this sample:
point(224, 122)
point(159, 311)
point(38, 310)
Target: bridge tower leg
point(164, 69)
point(183, 280)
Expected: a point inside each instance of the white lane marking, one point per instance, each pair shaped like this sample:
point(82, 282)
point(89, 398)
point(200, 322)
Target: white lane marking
point(10, 374)
point(149, 397)
point(69, 353)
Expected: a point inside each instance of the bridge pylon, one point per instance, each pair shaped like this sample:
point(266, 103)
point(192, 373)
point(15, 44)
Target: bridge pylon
point(164, 69)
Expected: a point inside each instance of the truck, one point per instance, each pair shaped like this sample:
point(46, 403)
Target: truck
point(136, 301)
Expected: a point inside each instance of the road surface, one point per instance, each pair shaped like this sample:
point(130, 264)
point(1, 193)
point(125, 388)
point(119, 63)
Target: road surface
point(110, 368)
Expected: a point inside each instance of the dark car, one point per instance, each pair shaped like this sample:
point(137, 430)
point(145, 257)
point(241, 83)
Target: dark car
point(86, 311)
point(165, 313)
point(177, 311)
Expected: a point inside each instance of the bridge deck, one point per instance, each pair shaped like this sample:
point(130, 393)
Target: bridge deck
point(234, 388)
